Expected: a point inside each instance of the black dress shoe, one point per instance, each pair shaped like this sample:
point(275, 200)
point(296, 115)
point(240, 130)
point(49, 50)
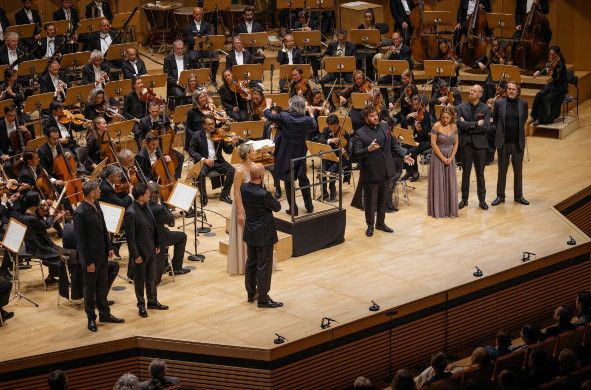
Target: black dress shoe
point(522, 200)
point(252, 298)
point(112, 319)
point(406, 176)
point(190, 213)
point(181, 271)
point(463, 203)
point(226, 198)
point(332, 197)
point(310, 209)
point(50, 280)
point(269, 304)
point(415, 177)
point(204, 200)
point(110, 303)
point(482, 204)
point(369, 231)
point(142, 311)
point(498, 200)
point(288, 211)
point(384, 228)
point(92, 325)
point(157, 306)
point(6, 315)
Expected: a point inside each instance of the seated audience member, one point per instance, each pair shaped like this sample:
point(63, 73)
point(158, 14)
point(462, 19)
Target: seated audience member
point(362, 382)
point(127, 382)
point(481, 361)
point(403, 381)
point(508, 380)
point(563, 316)
point(503, 342)
point(586, 385)
point(530, 335)
point(583, 305)
point(537, 370)
point(5, 289)
point(158, 378)
point(436, 371)
point(57, 380)
point(567, 361)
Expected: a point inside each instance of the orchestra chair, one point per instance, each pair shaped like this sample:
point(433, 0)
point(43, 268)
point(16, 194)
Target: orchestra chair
point(24, 257)
point(548, 345)
point(573, 80)
point(572, 340)
point(453, 382)
point(513, 361)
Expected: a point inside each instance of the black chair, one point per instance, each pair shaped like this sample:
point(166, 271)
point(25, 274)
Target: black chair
point(573, 80)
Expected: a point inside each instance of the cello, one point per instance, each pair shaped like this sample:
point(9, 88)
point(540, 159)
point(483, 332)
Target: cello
point(66, 169)
point(532, 48)
point(165, 172)
point(475, 44)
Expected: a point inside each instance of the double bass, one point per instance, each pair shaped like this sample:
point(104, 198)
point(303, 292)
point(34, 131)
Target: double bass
point(165, 172)
point(418, 42)
point(66, 169)
point(532, 48)
point(475, 44)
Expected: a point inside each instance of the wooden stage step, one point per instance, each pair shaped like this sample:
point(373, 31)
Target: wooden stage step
point(281, 251)
point(558, 129)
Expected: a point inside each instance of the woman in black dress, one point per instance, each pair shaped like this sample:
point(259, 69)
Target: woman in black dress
point(547, 103)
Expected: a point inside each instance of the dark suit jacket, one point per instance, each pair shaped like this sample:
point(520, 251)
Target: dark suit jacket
point(129, 71)
point(46, 158)
point(20, 17)
point(331, 50)
point(41, 49)
point(143, 161)
point(469, 131)
point(379, 164)
point(88, 73)
point(141, 231)
point(404, 54)
point(463, 9)
point(4, 140)
point(198, 147)
point(520, 12)
point(109, 195)
point(191, 32)
point(92, 238)
point(399, 13)
point(45, 83)
point(165, 383)
point(296, 54)
point(231, 58)
point(92, 12)
point(37, 240)
point(499, 121)
point(259, 204)
point(133, 107)
point(60, 14)
point(93, 42)
point(229, 99)
point(4, 54)
point(171, 69)
point(4, 22)
point(25, 175)
point(163, 218)
point(145, 124)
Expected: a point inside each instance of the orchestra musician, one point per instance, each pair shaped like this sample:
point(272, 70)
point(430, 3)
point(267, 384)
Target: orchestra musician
point(522, 8)
point(299, 85)
point(97, 71)
point(335, 136)
point(548, 101)
point(133, 66)
point(67, 12)
point(191, 87)
point(8, 125)
point(420, 122)
point(4, 23)
point(96, 105)
point(360, 85)
point(49, 46)
point(404, 95)
point(340, 48)
point(496, 55)
point(101, 40)
point(250, 26)
point(465, 9)
point(442, 94)
point(174, 64)
point(49, 151)
point(11, 51)
point(288, 55)
point(444, 52)
point(52, 120)
point(317, 106)
point(369, 22)
point(54, 80)
point(238, 56)
point(11, 88)
point(110, 183)
point(28, 15)
point(397, 51)
point(98, 9)
point(204, 148)
point(148, 156)
point(133, 106)
point(234, 96)
point(400, 10)
point(201, 28)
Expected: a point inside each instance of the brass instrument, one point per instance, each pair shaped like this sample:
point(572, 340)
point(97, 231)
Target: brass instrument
point(382, 56)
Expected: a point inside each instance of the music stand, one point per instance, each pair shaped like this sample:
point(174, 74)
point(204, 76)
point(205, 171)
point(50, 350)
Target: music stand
point(439, 68)
point(326, 151)
point(404, 136)
point(202, 75)
point(363, 37)
point(89, 25)
point(344, 121)
point(438, 18)
point(13, 242)
point(120, 130)
point(155, 80)
point(505, 72)
point(120, 19)
point(209, 42)
point(248, 72)
point(75, 60)
point(116, 52)
point(360, 100)
point(280, 99)
point(503, 25)
point(180, 113)
point(391, 68)
point(286, 69)
point(119, 88)
point(34, 144)
point(78, 94)
point(194, 176)
point(307, 38)
point(61, 27)
point(38, 102)
point(252, 40)
point(32, 67)
point(291, 5)
point(339, 65)
point(248, 129)
point(23, 30)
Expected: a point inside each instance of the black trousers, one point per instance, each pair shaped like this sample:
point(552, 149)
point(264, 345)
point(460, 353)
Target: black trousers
point(470, 155)
point(303, 181)
point(223, 168)
point(5, 288)
point(96, 288)
point(179, 241)
point(513, 152)
point(375, 197)
point(144, 278)
point(259, 267)
point(414, 153)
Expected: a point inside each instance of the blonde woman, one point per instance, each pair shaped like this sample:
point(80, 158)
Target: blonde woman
point(237, 247)
point(442, 192)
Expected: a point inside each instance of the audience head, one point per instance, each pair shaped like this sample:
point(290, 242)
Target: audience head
point(586, 385)
point(503, 340)
point(567, 361)
point(583, 301)
point(530, 334)
point(127, 382)
point(563, 315)
point(439, 362)
point(480, 357)
point(57, 380)
point(157, 369)
point(362, 382)
point(403, 380)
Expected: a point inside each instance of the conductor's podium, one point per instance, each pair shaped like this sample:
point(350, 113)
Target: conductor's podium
point(282, 250)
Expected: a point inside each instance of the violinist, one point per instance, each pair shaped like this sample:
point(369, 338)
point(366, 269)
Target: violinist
point(148, 156)
point(335, 136)
point(317, 106)
point(360, 84)
point(96, 105)
point(234, 97)
point(443, 95)
point(90, 154)
point(11, 123)
point(299, 85)
point(403, 96)
point(174, 64)
point(288, 55)
point(57, 119)
point(112, 180)
point(97, 71)
point(204, 148)
point(444, 52)
point(129, 173)
point(547, 103)
point(51, 45)
point(11, 88)
point(133, 105)
point(496, 56)
point(420, 122)
point(465, 10)
point(190, 89)
point(257, 105)
point(54, 81)
point(133, 66)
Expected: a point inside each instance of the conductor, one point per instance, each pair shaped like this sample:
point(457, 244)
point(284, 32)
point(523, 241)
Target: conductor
point(260, 235)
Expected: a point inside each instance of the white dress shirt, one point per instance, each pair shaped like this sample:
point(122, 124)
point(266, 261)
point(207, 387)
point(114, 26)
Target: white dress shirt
point(67, 13)
point(106, 41)
point(134, 64)
point(99, 7)
point(50, 47)
point(239, 58)
point(210, 149)
point(248, 27)
point(1, 32)
point(471, 6)
point(290, 56)
point(152, 157)
point(10, 126)
point(406, 7)
point(197, 25)
point(12, 56)
point(180, 65)
point(528, 6)
point(29, 15)
point(97, 73)
point(64, 133)
point(55, 80)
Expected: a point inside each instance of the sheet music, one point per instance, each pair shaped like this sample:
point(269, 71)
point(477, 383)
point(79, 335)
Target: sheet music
point(182, 196)
point(14, 236)
point(113, 216)
point(262, 143)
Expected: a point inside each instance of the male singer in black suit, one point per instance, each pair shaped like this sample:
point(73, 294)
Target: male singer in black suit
point(509, 116)
point(94, 249)
point(67, 12)
point(143, 242)
point(374, 147)
point(174, 64)
point(340, 48)
point(238, 56)
point(465, 9)
point(473, 119)
point(200, 55)
point(97, 9)
point(250, 26)
point(133, 66)
point(4, 24)
point(400, 10)
point(203, 148)
point(260, 235)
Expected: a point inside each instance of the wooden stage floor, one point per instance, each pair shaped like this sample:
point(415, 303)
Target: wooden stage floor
point(423, 257)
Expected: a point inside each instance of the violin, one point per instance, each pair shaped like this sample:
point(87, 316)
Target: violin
point(76, 119)
point(147, 95)
point(241, 87)
point(301, 86)
point(222, 135)
point(219, 116)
